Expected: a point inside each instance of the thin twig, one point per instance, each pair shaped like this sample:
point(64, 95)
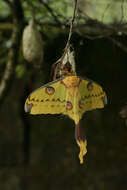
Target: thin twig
point(118, 43)
point(51, 11)
point(31, 8)
point(107, 7)
point(70, 31)
point(122, 11)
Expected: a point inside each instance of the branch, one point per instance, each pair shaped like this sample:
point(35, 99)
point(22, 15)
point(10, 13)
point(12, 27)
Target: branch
point(108, 5)
point(118, 43)
point(72, 22)
point(51, 12)
point(122, 10)
point(70, 31)
point(6, 81)
point(31, 8)
point(6, 26)
point(93, 28)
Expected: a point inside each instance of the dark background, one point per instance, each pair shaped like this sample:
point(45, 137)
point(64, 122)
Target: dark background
point(40, 152)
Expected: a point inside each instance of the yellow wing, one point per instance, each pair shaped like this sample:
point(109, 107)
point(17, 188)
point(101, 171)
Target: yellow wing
point(49, 99)
point(92, 96)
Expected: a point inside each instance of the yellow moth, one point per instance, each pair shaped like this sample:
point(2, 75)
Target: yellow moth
point(70, 95)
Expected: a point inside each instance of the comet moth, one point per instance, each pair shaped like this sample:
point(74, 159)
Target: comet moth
point(70, 95)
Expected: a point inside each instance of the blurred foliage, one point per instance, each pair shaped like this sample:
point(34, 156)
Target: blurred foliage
point(106, 11)
point(20, 69)
point(39, 152)
point(4, 9)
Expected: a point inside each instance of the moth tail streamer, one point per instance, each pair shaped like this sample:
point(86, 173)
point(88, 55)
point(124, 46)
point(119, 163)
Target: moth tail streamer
point(81, 141)
point(83, 150)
